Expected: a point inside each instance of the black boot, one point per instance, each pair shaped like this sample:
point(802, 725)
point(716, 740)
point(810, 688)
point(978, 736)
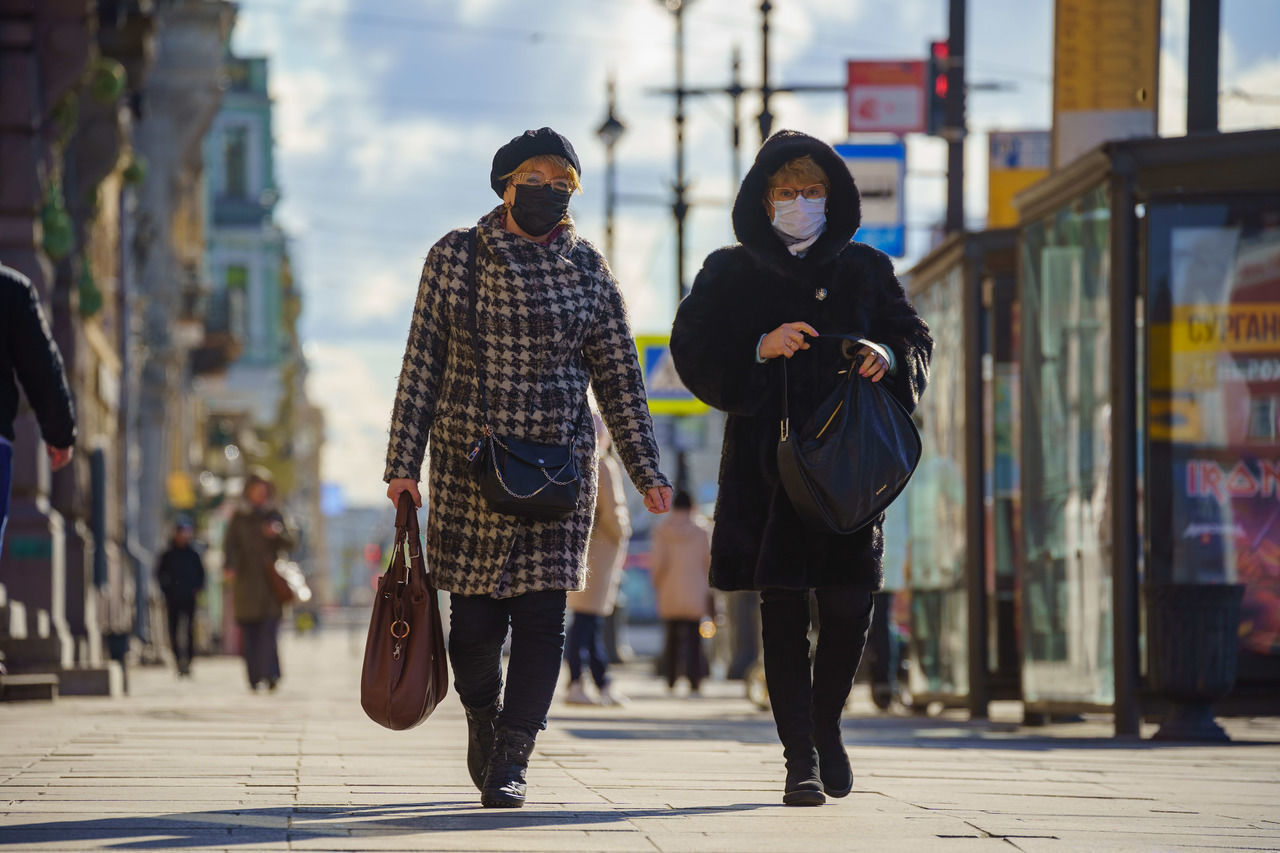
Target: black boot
point(785, 626)
point(480, 724)
point(504, 779)
point(844, 616)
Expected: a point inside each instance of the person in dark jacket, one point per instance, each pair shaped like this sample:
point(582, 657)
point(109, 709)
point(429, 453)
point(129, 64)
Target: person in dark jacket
point(180, 574)
point(256, 537)
point(30, 358)
point(795, 273)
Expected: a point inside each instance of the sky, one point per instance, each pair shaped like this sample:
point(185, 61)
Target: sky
point(388, 113)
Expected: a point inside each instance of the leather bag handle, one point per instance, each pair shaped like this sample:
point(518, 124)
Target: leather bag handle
point(848, 349)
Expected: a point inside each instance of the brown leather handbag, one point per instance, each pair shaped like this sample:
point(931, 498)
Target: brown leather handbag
point(405, 674)
point(279, 586)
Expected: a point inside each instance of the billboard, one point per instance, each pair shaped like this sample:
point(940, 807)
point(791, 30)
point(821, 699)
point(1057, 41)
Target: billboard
point(886, 96)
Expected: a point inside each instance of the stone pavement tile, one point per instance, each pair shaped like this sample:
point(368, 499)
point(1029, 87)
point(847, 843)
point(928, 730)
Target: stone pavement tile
point(851, 839)
point(109, 837)
point(130, 806)
point(212, 821)
point(1109, 842)
point(498, 841)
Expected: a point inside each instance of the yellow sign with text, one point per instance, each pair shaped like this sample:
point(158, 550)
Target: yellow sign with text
point(1251, 327)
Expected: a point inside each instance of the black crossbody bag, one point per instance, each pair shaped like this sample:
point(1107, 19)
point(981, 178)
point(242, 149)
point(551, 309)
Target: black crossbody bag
point(517, 477)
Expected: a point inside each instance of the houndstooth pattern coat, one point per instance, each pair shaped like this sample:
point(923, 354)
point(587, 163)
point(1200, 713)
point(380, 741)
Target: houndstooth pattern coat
point(550, 320)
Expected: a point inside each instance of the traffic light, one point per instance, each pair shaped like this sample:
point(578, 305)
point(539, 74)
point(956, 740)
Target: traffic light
point(936, 88)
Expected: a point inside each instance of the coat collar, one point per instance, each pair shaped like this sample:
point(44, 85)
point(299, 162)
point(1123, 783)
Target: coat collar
point(493, 230)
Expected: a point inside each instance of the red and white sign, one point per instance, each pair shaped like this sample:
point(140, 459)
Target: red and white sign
point(886, 97)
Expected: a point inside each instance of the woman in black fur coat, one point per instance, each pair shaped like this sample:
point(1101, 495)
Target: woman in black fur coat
point(795, 274)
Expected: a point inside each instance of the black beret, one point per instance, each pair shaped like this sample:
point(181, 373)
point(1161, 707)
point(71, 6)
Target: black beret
point(531, 143)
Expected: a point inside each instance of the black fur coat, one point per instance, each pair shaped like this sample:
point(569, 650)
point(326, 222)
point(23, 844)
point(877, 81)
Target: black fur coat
point(741, 293)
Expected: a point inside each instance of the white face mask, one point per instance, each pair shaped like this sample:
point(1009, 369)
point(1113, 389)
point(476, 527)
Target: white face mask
point(800, 219)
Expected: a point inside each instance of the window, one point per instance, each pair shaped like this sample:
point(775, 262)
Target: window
point(236, 280)
point(236, 161)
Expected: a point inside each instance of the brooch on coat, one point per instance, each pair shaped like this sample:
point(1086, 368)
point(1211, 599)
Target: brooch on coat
point(820, 294)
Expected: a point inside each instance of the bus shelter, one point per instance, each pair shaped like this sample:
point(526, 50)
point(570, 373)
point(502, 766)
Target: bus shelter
point(962, 502)
point(1149, 410)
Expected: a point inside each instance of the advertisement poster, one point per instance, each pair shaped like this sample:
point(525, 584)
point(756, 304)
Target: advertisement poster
point(1215, 417)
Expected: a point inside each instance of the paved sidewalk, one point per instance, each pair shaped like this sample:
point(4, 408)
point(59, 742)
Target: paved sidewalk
point(204, 765)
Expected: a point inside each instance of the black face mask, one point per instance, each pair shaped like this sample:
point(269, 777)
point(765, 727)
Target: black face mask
point(537, 210)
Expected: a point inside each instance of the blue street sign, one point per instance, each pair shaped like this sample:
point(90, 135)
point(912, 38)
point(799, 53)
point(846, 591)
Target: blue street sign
point(880, 170)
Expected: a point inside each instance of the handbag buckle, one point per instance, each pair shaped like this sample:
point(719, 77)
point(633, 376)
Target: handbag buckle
point(398, 626)
point(473, 452)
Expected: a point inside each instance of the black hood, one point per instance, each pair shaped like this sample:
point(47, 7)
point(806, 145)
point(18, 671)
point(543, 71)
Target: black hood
point(844, 206)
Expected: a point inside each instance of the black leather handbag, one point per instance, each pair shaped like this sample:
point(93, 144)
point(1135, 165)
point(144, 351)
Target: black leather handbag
point(517, 477)
point(852, 457)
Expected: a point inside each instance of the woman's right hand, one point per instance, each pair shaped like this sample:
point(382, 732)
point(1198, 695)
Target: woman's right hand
point(786, 340)
point(403, 484)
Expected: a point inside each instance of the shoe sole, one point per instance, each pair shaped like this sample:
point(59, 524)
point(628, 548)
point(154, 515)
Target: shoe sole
point(491, 802)
point(803, 798)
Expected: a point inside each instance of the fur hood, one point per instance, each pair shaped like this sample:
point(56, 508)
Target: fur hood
point(751, 224)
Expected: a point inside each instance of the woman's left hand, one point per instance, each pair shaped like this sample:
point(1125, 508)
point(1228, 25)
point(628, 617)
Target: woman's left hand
point(871, 365)
point(658, 499)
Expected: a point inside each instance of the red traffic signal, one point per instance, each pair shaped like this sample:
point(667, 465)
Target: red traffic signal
point(936, 95)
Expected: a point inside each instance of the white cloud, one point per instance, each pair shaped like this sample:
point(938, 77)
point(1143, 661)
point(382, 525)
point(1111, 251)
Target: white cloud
point(356, 387)
point(304, 111)
point(1252, 98)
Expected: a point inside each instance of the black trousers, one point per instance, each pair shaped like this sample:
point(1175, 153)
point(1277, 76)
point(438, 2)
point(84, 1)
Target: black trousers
point(261, 651)
point(684, 652)
point(804, 697)
point(182, 631)
point(586, 642)
point(478, 627)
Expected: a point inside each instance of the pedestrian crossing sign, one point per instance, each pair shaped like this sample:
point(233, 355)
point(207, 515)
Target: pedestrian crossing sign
point(667, 394)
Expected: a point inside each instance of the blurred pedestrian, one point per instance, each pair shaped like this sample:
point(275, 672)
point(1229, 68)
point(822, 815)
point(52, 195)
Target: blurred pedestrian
point(257, 537)
point(180, 574)
point(606, 551)
point(550, 320)
point(794, 273)
point(30, 358)
point(680, 553)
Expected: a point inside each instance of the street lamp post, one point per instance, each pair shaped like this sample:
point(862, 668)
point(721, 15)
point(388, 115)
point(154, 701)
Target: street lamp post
point(609, 132)
point(679, 205)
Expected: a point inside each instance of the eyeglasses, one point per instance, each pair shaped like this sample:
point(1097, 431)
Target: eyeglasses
point(535, 180)
point(813, 192)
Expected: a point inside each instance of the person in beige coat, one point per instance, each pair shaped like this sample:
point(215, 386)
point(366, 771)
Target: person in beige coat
point(681, 556)
point(606, 551)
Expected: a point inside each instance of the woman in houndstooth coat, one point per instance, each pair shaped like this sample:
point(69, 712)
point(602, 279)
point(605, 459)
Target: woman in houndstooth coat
point(550, 322)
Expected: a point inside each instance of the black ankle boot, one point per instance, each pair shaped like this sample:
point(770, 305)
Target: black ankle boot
point(833, 761)
point(803, 786)
point(504, 780)
point(480, 725)
point(785, 626)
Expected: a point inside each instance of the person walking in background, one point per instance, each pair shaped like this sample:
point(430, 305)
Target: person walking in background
point(256, 538)
point(180, 574)
point(30, 358)
point(550, 321)
point(606, 551)
point(681, 554)
point(753, 309)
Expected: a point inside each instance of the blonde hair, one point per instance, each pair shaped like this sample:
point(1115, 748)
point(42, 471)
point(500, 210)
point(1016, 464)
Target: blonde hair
point(802, 171)
point(550, 165)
